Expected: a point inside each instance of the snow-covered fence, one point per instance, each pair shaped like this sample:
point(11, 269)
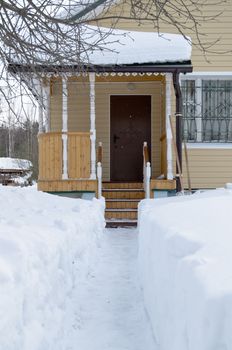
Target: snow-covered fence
point(185, 269)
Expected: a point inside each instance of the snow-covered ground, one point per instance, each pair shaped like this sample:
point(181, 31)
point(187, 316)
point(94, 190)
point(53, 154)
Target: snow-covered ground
point(109, 309)
point(185, 259)
point(47, 244)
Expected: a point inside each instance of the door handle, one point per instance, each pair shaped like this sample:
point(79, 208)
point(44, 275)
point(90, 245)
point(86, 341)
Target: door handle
point(115, 138)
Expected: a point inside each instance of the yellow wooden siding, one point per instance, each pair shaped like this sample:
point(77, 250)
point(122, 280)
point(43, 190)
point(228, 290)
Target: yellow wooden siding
point(217, 31)
point(79, 115)
point(78, 105)
point(209, 168)
point(56, 105)
point(103, 93)
point(67, 185)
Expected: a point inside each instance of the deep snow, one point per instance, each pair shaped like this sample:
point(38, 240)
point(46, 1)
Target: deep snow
point(47, 243)
point(185, 260)
point(64, 283)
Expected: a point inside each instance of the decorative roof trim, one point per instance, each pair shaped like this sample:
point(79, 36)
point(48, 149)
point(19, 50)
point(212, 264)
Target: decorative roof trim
point(180, 67)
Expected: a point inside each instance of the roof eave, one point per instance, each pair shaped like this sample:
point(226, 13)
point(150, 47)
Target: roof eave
point(181, 67)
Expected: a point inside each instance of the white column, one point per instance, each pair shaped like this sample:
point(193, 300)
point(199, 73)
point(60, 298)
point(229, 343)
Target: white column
point(47, 107)
point(168, 127)
point(65, 127)
point(92, 126)
point(40, 107)
point(198, 89)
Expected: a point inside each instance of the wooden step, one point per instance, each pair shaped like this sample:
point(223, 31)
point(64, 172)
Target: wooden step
point(125, 185)
point(128, 214)
point(114, 223)
point(122, 203)
point(123, 193)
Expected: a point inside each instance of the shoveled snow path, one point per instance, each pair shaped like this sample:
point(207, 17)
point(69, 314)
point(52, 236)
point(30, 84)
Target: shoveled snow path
point(107, 311)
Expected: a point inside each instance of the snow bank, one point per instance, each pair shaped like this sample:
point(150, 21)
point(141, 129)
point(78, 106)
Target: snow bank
point(47, 245)
point(185, 260)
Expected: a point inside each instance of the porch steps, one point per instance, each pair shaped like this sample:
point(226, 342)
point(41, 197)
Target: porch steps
point(122, 203)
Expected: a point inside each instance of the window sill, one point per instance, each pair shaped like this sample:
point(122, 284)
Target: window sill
point(211, 145)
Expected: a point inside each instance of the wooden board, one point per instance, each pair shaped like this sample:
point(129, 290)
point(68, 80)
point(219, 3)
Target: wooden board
point(163, 184)
point(68, 186)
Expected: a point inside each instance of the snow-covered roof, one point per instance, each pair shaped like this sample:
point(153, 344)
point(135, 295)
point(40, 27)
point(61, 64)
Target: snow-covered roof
point(133, 47)
point(14, 164)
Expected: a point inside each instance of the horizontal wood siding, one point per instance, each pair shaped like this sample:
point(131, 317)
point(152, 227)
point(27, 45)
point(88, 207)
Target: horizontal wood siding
point(103, 93)
point(78, 105)
point(217, 31)
point(56, 104)
point(51, 156)
point(209, 168)
point(79, 110)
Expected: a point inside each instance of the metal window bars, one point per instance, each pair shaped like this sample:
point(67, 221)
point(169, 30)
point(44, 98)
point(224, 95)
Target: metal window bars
point(207, 110)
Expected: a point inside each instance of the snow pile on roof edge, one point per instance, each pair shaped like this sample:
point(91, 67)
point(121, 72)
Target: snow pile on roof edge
point(134, 47)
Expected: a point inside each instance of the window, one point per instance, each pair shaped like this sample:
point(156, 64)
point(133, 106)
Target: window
point(207, 110)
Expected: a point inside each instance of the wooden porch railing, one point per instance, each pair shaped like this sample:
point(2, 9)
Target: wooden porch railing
point(51, 155)
point(146, 170)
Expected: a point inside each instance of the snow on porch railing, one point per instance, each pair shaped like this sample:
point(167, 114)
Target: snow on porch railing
point(146, 171)
point(99, 169)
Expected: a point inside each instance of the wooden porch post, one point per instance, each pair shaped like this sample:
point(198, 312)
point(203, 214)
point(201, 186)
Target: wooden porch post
point(168, 128)
point(92, 126)
point(65, 127)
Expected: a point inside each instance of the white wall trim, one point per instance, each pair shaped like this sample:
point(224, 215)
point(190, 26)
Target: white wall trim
point(92, 126)
point(209, 145)
point(168, 127)
point(41, 109)
point(207, 75)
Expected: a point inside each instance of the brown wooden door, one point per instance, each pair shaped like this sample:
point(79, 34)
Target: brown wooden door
point(130, 117)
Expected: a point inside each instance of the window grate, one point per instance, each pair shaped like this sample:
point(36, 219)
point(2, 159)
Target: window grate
point(207, 110)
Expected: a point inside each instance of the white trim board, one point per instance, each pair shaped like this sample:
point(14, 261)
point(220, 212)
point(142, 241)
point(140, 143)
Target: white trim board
point(207, 75)
point(212, 145)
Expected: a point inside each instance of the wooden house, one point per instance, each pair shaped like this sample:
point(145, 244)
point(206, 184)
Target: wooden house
point(124, 99)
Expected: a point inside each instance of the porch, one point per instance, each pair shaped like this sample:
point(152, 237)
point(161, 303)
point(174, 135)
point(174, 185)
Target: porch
point(122, 101)
point(68, 159)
